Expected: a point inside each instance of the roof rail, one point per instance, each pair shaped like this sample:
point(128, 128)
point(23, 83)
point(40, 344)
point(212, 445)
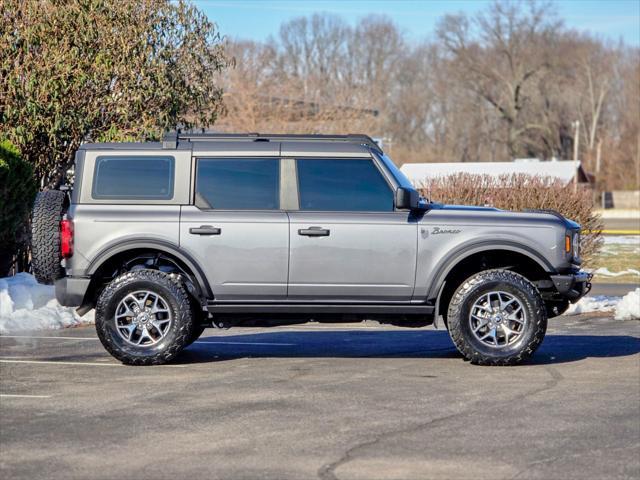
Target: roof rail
point(171, 139)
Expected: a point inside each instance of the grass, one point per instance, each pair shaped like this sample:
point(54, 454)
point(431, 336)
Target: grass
point(618, 257)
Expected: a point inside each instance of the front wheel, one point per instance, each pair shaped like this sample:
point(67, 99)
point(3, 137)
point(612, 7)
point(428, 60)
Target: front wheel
point(497, 317)
point(144, 317)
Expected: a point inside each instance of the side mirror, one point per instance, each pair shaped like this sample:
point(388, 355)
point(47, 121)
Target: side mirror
point(407, 198)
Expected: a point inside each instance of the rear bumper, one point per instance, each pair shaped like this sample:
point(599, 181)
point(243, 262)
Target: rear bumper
point(574, 285)
point(70, 291)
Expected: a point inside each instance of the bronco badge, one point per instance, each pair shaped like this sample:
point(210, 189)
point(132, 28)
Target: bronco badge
point(438, 230)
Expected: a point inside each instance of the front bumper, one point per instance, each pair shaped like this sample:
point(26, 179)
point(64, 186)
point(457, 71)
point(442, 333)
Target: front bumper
point(70, 291)
point(574, 285)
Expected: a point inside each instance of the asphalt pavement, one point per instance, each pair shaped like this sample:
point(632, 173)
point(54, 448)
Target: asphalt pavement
point(358, 401)
point(612, 289)
point(630, 224)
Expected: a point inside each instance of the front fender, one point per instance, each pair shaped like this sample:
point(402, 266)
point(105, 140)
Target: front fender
point(442, 268)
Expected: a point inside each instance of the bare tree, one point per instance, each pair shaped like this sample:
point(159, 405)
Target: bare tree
point(501, 54)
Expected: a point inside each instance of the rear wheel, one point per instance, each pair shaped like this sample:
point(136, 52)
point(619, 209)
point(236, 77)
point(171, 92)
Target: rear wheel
point(46, 256)
point(497, 317)
point(144, 317)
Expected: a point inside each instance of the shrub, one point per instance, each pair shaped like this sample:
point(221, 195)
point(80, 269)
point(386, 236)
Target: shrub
point(17, 191)
point(103, 70)
point(519, 192)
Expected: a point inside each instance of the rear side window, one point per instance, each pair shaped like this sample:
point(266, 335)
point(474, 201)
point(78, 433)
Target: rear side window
point(238, 183)
point(348, 185)
point(133, 178)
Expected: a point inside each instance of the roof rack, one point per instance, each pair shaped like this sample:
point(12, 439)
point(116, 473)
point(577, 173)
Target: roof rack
point(171, 139)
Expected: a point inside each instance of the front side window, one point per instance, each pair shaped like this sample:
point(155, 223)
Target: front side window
point(238, 183)
point(133, 178)
point(348, 185)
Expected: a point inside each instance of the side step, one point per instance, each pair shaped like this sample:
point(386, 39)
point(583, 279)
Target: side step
point(320, 308)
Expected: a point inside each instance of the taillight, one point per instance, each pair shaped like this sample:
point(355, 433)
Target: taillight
point(66, 238)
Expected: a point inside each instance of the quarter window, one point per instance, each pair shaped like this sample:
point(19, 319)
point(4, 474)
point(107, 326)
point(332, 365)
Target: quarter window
point(133, 178)
point(354, 185)
point(238, 184)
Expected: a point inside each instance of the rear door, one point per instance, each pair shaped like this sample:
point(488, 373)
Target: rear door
point(236, 230)
point(348, 243)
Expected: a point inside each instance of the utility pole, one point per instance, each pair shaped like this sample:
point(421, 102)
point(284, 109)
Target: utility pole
point(576, 143)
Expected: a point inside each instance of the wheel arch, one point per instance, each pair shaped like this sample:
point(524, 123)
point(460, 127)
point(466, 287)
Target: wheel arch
point(455, 257)
point(464, 262)
point(131, 248)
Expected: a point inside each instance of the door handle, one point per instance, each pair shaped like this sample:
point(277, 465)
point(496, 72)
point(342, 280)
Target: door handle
point(314, 232)
point(205, 230)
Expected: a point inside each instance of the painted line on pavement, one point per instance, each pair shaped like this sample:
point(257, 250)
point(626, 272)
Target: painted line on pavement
point(49, 338)
point(7, 395)
point(53, 362)
point(614, 231)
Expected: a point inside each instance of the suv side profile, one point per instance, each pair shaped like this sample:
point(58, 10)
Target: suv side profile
point(165, 239)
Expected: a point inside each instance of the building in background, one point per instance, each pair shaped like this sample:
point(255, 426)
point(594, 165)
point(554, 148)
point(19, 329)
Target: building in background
point(563, 170)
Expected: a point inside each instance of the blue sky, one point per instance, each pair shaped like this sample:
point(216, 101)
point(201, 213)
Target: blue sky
point(257, 19)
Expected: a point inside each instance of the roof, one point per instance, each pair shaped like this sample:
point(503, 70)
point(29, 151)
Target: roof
point(171, 140)
point(253, 144)
point(563, 170)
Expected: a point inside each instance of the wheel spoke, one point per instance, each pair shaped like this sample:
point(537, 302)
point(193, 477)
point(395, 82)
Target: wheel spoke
point(482, 323)
point(127, 313)
point(137, 318)
point(129, 329)
point(158, 324)
point(491, 315)
point(155, 309)
point(506, 332)
point(144, 334)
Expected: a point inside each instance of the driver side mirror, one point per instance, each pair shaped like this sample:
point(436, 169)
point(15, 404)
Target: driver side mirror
point(407, 198)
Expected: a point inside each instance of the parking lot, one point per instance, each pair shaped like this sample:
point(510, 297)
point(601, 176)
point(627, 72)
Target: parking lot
point(355, 401)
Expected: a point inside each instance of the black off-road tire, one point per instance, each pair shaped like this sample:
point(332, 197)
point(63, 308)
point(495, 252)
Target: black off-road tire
point(460, 328)
point(180, 331)
point(48, 210)
point(195, 335)
point(199, 321)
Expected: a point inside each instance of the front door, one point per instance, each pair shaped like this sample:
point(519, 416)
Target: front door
point(236, 230)
point(347, 243)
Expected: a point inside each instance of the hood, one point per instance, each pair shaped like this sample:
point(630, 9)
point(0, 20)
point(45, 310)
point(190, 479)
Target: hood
point(440, 206)
point(569, 224)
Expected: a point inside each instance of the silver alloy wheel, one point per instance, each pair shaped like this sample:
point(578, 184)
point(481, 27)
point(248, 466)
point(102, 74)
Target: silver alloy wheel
point(497, 319)
point(143, 318)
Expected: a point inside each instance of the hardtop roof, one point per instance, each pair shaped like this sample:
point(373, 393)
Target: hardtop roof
point(253, 142)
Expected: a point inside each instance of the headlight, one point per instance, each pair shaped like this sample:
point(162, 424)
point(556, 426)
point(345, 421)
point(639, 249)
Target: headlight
point(572, 245)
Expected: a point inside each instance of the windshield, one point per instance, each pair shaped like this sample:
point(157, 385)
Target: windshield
point(400, 177)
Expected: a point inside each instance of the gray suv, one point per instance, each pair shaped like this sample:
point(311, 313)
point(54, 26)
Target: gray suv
point(217, 230)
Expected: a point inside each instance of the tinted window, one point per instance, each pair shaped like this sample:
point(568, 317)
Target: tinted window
point(135, 178)
point(238, 184)
point(343, 185)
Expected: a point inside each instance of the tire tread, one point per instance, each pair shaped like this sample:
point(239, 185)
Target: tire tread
point(186, 328)
point(456, 304)
point(48, 209)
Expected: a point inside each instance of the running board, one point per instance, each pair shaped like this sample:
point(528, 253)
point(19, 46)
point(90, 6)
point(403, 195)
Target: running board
point(320, 308)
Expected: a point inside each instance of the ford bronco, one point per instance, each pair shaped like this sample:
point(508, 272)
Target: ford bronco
point(217, 230)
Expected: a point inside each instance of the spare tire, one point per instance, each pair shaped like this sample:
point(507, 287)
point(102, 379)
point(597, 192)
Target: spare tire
point(48, 210)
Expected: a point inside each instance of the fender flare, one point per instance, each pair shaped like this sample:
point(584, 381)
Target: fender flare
point(465, 251)
point(162, 246)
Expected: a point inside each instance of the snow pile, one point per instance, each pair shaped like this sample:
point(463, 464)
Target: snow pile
point(605, 272)
point(622, 240)
point(629, 306)
point(599, 303)
point(626, 308)
point(27, 305)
